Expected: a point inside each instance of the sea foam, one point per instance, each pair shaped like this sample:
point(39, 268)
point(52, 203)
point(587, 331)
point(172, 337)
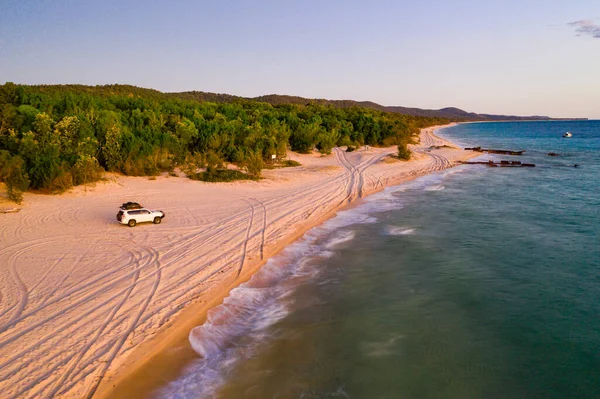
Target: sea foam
point(339, 238)
point(398, 231)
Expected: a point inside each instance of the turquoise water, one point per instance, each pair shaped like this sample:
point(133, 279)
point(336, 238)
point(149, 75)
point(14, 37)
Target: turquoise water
point(474, 282)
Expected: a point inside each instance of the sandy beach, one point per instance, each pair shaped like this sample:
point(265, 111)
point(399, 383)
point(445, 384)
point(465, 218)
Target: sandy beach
point(92, 308)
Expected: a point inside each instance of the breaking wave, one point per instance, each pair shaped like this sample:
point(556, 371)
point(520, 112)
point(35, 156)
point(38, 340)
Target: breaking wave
point(340, 238)
point(398, 231)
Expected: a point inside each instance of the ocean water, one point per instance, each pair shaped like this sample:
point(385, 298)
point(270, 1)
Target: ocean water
point(474, 282)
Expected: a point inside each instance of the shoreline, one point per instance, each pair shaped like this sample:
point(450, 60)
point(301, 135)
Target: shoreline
point(92, 308)
point(162, 358)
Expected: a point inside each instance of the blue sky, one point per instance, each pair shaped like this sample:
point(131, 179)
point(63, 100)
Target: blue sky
point(505, 57)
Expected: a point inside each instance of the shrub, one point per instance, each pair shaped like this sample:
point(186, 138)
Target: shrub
point(133, 166)
point(213, 162)
point(254, 163)
point(290, 163)
point(221, 175)
point(403, 152)
point(286, 163)
point(62, 182)
point(192, 163)
point(86, 170)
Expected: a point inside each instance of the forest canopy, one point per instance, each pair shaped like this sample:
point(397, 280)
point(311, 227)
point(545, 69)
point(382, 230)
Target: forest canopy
point(55, 136)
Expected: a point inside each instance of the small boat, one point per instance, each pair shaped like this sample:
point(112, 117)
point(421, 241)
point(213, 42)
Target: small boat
point(567, 134)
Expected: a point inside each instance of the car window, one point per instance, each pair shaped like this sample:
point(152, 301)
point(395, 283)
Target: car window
point(134, 212)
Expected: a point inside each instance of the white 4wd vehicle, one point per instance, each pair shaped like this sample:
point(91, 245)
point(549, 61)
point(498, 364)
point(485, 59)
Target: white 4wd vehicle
point(132, 217)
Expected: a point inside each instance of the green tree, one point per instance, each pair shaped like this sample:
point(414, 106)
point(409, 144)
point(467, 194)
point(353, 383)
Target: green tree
point(66, 132)
point(303, 140)
point(327, 140)
point(13, 174)
point(86, 170)
point(41, 159)
point(44, 133)
point(186, 131)
point(111, 151)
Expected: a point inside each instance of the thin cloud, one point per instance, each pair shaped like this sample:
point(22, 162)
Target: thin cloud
point(586, 27)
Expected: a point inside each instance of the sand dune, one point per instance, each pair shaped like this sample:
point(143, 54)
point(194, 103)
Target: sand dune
point(80, 293)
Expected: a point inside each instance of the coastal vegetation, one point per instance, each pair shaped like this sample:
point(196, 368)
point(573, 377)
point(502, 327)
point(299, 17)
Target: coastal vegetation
point(55, 137)
point(403, 152)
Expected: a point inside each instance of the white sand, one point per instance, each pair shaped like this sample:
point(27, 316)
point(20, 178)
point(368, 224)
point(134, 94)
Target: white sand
point(80, 293)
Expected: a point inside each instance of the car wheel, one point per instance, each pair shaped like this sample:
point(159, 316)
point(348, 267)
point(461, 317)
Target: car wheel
point(157, 220)
point(131, 223)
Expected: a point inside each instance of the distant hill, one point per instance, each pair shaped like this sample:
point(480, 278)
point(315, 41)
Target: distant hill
point(451, 113)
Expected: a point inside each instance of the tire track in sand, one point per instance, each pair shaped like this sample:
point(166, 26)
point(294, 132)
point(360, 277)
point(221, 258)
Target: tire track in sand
point(10, 366)
point(132, 325)
point(245, 244)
